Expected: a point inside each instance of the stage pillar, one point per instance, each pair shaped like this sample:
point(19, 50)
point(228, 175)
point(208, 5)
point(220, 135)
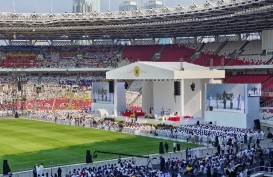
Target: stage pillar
point(182, 107)
point(115, 98)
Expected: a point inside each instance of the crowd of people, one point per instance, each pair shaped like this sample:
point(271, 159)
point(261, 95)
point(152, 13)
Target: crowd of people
point(208, 133)
point(236, 147)
point(100, 56)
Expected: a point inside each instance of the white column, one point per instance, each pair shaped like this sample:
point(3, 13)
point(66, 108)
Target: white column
point(182, 107)
point(115, 98)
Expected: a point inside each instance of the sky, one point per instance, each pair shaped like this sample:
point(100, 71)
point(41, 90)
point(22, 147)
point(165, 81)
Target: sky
point(61, 6)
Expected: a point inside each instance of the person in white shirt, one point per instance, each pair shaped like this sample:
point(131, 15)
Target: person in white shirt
point(174, 146)
point(40, 169)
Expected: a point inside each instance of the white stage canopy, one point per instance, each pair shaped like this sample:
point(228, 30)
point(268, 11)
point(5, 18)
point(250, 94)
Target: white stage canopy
point(163, 70)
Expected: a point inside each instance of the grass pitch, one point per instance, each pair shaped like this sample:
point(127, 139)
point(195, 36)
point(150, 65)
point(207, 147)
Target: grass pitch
point(25, 143)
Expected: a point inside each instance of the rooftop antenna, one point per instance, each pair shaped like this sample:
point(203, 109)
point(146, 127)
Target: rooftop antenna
point(13, 4)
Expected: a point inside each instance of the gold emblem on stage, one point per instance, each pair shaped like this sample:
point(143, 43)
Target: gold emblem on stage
point(137, 71)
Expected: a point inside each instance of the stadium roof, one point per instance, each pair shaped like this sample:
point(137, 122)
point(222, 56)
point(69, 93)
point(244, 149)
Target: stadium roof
point(163, 70)
point(215, 18)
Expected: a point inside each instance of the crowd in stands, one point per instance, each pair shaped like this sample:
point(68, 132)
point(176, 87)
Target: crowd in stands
point(54, 92)
point(210, 54)
point(59, 57)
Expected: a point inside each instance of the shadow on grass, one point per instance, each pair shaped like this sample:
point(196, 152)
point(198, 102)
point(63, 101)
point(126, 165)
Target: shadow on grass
point(138, 145)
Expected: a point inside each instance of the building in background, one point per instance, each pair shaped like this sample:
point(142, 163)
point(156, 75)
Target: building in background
point(96, 6)
point(128, 5)
point(153, 4)
point(82, 6)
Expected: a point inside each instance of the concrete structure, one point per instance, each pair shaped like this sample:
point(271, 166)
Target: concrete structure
point(128, 5)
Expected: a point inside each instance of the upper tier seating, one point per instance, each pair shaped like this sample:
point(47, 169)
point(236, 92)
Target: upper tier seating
point(18, 60)
point(203, 60)
point(140, 53)
point(118, 55)
point(175, 53)
point(230, 47)
point(211, 47)
point(248, 78)
point(253, 48)
point(194, 46)
point(249, 60)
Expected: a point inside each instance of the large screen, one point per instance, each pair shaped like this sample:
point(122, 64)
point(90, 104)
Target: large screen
point(100, 92)
point(226, 97)
point(254, 89)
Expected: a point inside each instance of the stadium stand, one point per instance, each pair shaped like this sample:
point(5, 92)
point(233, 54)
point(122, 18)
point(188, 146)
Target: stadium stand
point(249, 78)
point(175, 53)
point(253, 48)
point(231, 47)
point(140, 53)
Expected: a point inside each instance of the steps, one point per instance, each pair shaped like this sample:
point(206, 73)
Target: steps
point(220, 47)
point(201, 48)
point(135, 100)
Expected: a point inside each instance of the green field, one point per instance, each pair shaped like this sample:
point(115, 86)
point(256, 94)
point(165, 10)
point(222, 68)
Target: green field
point(25, 143)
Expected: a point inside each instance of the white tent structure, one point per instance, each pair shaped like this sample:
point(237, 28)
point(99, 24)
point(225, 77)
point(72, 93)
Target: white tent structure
point(168, 86)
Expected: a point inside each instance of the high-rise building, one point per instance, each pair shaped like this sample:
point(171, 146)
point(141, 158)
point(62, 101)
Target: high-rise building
point(82, 6)
point(153, 4)
point(95, 5)
point(128, 5)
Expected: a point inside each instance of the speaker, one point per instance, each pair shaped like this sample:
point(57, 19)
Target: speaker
point(126, 85)
point(6, 168)
point(257, 124)
point(193, 86)
point(177, 88)
point(88, 158)
point(19, 85)
point(111, 86)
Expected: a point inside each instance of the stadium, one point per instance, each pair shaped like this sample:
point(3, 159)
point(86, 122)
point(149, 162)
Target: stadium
point(171, 91)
